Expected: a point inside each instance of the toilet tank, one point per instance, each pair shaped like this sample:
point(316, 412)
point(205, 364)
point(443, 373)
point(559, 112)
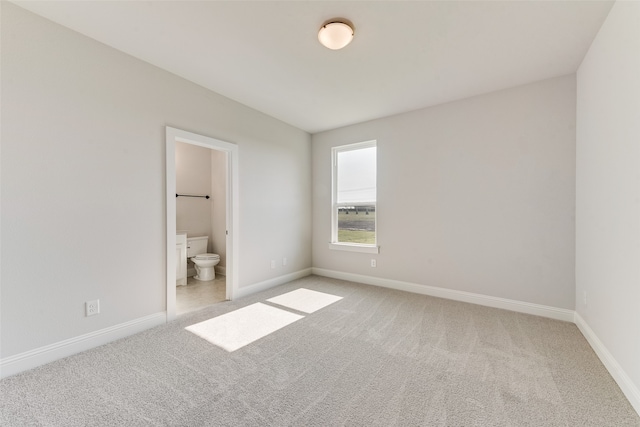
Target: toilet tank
point(196, 246)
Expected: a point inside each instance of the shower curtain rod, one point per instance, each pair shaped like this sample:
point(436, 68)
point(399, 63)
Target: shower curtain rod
point(189, 195)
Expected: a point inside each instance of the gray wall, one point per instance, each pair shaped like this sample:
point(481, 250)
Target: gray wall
point(608, 190)
point(193, 176)
point(83, 181)
point(475, 195)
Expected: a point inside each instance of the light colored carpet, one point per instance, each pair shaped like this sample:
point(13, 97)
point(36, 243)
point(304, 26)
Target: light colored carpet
point(305, 300)
point(377, 357)
point(243, 326)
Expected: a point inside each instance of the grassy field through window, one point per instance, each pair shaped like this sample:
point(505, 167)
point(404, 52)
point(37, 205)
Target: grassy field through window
point(357, 227)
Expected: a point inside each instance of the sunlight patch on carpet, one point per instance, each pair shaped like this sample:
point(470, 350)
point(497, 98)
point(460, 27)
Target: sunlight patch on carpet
point(238, 328)
point(305, 300)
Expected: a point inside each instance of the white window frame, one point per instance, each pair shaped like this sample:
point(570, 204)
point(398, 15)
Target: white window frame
point(334, 244)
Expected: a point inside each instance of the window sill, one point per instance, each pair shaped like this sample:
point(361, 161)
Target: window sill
point(369, 249)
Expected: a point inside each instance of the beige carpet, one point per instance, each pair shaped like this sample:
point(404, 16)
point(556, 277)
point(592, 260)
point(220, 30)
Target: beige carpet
point(305, 300)
point(376, 357)
point(243, 326)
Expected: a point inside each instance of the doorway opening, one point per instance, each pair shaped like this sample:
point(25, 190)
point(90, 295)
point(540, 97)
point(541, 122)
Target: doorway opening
point(228, 154)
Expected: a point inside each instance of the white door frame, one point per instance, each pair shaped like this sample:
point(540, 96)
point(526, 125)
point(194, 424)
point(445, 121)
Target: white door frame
point(174, 135)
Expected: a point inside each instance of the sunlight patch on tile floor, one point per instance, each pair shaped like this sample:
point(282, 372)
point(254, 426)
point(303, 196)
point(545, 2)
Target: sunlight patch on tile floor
point(305, 300)
point(238, 328)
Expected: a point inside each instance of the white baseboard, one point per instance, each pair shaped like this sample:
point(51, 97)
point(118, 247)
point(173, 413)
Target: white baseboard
point(630, 390)
point(627, 386)
point(268, 284)
point(489, 301)
point(31, 359)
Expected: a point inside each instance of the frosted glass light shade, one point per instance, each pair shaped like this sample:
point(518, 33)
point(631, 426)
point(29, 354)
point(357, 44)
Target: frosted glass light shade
point(335, 35)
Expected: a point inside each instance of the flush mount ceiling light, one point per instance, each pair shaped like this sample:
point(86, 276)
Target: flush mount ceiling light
point(336, 33)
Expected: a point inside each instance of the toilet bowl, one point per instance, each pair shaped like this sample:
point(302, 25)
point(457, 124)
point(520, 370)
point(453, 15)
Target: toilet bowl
point(205, 264)
point(203, 261)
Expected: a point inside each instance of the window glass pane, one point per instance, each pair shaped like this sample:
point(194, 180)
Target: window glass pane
point(357, 224)
point(356, 176)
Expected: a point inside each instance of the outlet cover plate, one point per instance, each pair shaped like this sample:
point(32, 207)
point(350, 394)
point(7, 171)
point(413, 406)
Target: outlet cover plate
point(92, 307)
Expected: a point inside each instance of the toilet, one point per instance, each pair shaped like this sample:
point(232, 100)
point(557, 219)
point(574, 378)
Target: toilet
point(204, 262)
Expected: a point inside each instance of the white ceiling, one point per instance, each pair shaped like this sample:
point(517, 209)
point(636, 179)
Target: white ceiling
point(405, 55)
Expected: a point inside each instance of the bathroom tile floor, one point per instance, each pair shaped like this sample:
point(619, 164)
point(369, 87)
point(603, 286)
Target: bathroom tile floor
point(197, 294)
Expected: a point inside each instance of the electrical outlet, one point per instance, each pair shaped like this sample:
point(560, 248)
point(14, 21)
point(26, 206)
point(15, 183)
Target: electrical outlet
point(273, 263)
point(284, 261)
point(374, 263)
point(92, 307)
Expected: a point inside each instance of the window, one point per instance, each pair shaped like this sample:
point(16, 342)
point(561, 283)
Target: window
point(353, 215)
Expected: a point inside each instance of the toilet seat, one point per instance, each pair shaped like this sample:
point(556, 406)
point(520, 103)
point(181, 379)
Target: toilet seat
point(206, 257)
